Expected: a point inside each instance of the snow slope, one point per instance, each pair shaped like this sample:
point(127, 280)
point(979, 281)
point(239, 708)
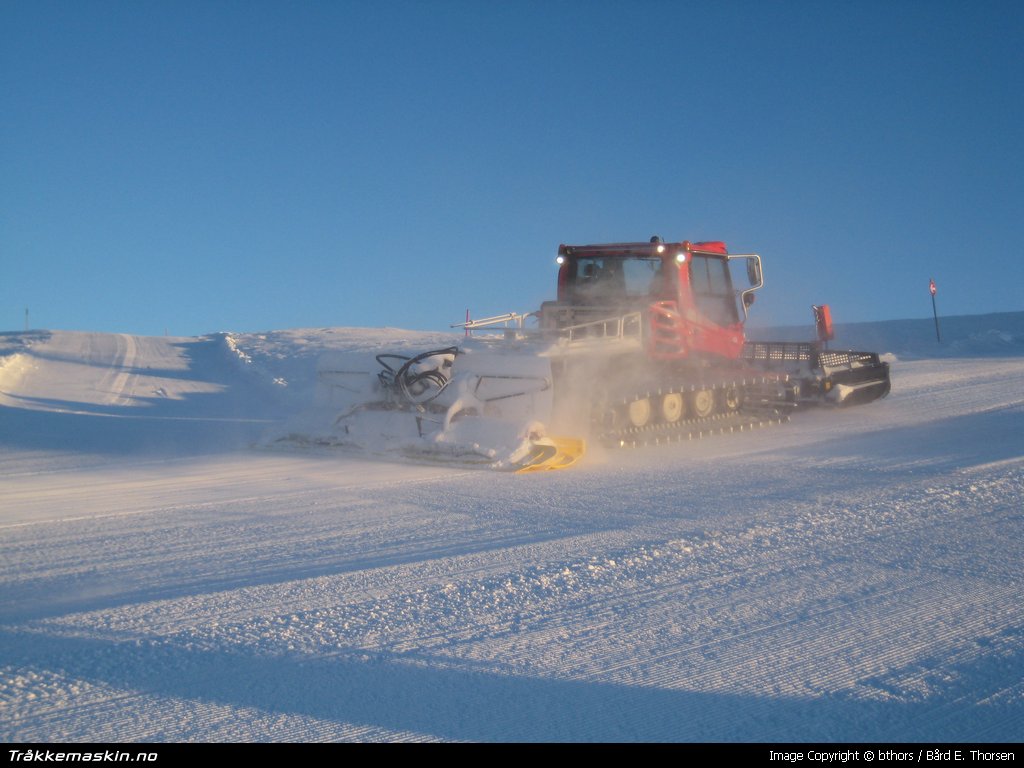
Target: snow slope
point(994, 335)
point(852, 575)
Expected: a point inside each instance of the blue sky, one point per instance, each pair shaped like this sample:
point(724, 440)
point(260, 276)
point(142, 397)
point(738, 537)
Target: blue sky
point(199, 166)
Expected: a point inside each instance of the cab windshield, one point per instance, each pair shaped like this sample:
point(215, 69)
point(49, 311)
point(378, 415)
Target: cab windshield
point(603, 279)
point(712, 289)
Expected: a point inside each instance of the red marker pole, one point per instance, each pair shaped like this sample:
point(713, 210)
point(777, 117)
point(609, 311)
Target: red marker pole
point(933, 290)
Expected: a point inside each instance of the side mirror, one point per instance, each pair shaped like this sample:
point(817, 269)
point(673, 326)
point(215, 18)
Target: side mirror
point(754, 278)
point(754, 272)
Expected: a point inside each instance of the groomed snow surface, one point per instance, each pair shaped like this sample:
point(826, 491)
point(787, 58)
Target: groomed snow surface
point(852, 575)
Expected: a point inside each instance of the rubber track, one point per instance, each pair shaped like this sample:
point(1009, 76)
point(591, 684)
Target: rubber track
point(754, 415)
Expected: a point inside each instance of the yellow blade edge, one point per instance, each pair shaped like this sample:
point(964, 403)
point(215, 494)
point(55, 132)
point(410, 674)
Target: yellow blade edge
point(552, 453)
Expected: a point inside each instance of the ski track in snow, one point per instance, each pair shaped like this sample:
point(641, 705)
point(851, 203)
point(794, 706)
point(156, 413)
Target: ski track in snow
point(852, 575)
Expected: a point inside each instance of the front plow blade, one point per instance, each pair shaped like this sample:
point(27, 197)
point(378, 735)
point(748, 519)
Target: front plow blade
point(551, 453)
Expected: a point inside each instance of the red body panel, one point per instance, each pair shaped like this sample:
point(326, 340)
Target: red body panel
point(823, 322)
